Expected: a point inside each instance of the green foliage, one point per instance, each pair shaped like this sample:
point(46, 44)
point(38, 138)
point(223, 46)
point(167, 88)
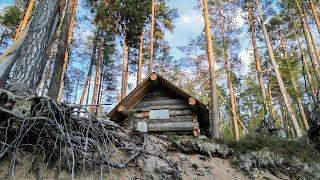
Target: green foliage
point(11, 16)
point(287, 148)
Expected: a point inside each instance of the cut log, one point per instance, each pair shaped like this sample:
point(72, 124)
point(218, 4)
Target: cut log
point(170, 126)
point(175, 107)
point(171, 119)
point(154, 79)
point(123, 110)
point(161, 102)
point(193, 103)
point(183, 112)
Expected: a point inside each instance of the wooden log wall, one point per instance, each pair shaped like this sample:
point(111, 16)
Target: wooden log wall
point(181, 116)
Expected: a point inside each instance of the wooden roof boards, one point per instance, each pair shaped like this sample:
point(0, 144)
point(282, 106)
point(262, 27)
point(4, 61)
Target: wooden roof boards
point(155, 80)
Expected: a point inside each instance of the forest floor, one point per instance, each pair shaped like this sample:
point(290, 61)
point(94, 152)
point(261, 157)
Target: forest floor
point(44, 139)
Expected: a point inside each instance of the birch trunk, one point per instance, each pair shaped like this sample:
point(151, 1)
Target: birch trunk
point(26, 71)
point(62, 56)
point(278, 75)
point(233, 109)
point(215, 122)
point(152, 36)
point(139, 75)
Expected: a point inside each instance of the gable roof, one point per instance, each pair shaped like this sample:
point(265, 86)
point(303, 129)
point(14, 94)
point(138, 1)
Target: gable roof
point(140, 91)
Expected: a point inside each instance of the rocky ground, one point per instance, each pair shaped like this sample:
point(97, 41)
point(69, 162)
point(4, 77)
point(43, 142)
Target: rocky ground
point(43, 139)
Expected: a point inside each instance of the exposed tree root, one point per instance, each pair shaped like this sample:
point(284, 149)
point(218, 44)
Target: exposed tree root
point(54, 135)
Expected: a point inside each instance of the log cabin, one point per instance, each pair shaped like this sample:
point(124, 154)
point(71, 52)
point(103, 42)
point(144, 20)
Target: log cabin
point(157, 105)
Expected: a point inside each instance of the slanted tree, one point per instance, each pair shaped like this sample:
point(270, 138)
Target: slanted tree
point(280, 82)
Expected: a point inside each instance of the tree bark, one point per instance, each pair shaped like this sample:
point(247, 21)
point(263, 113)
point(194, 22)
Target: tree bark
point(315, 14)
point(152, 36)
point(215, 121)
point(139, 75)
point(306, 69)
point(293, 82)
point(98, 75)
point(278, 75)
point(88, 78)
point(257, 59)
point(61, 60)
point(26, 71)
point(124, 69)
point(25, 19)
point(229, 79)
point(315, 49)
point(312, 54)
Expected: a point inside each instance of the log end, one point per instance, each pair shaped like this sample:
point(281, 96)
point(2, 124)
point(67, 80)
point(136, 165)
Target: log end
point(153, 77)
point(192, 101)
point(121, 108)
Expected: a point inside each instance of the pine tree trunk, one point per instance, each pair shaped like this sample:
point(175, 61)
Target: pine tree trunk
point(25, 19)
point(293, 82)
point(61, 60)
point(26, 71)
point(215, 122)
point(229, 79)
point(278, 75)
point(139, 75)
point(152, 36)
point(312, 55)
point(315, 49)
point(85, 87)
point(257, 59)
point(270, 102)
point(97, 76)
point(306, 69)
point(124, 69)
point(315, 14)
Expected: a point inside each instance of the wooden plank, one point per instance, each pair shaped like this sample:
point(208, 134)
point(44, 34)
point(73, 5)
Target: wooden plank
point(182, 112)
point(161, 102)
point(170, 126)
point(176, 107)
point(175, 118)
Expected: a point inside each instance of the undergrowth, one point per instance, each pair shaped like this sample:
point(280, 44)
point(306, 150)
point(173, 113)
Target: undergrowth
point(287, 148)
